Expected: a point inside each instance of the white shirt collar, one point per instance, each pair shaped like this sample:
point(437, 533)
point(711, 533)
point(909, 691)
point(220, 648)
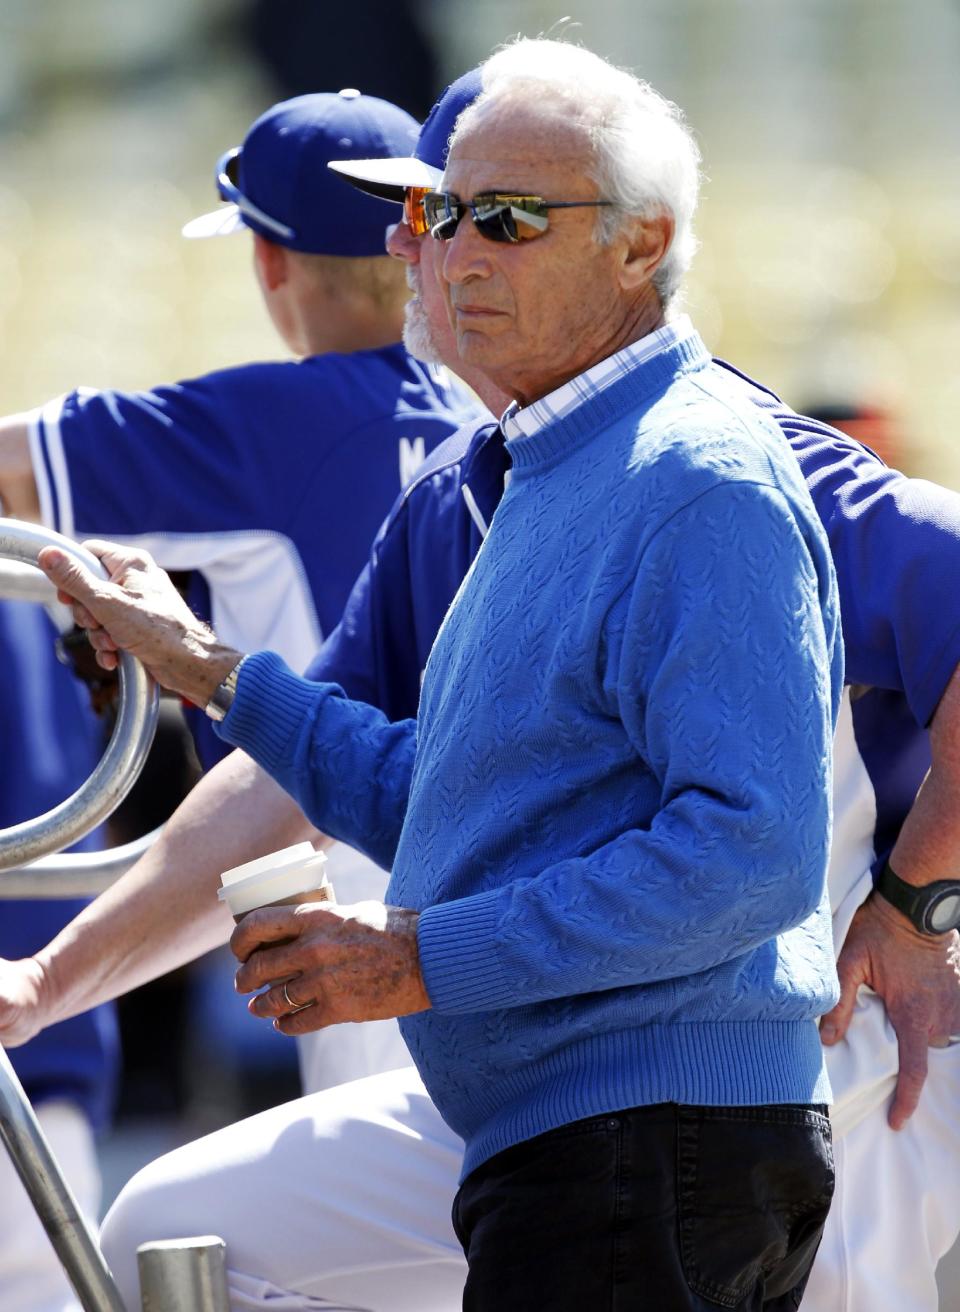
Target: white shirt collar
point(517, 422)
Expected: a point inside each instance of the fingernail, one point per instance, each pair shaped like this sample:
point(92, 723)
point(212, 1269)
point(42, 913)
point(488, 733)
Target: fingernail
point(828, 1033)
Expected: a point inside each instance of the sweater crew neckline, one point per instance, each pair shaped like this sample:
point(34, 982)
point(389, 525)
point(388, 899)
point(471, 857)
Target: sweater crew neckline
point(595, 412)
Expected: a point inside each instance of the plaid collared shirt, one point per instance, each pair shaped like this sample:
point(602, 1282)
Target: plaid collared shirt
point(517, 422)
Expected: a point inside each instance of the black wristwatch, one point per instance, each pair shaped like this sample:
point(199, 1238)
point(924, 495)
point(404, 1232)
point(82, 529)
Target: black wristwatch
point(933, 909)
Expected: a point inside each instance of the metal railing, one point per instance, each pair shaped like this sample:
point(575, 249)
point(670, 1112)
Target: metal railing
point(20, 582)
point(187, 1275)
point(129, 743)
point(52, 1197)
point(74, 874)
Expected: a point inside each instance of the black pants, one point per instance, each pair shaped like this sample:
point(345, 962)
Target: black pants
point(658, 1209)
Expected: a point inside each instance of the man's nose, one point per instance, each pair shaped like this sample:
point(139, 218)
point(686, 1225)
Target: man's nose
point(402, 244)
point(466, 254)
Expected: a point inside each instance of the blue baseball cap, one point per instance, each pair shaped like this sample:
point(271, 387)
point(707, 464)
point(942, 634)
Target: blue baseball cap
point(278, 183)
point(390, 178)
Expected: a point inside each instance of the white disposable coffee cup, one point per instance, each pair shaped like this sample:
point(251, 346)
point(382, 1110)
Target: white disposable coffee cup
point(285, 878)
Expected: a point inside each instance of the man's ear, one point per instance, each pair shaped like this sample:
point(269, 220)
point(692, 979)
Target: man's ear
point(647, 244)
point(273, 266)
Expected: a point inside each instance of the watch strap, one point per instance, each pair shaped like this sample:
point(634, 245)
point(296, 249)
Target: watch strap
point(223, 695)
point(917, 903)
point(898, 893)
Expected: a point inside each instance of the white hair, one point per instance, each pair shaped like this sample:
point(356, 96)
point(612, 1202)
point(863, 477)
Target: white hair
point(644, 156)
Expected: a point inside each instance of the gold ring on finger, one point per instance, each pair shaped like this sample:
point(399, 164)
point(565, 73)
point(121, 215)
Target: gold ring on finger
point(292, 1006)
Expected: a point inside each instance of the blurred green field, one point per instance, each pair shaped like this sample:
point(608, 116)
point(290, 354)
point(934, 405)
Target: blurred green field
point(830, 264)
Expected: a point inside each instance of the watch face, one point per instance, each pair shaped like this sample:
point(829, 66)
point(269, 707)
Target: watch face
point(944, 913)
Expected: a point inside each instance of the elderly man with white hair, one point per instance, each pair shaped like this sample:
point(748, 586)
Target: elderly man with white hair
point(607, 929)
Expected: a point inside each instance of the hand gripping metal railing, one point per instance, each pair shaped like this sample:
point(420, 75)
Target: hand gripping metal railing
point(129, 743)
point(186, 1275)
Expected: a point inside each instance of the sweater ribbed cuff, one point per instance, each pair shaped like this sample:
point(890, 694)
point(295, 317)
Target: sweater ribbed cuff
point(269, 710)
point(458, 955)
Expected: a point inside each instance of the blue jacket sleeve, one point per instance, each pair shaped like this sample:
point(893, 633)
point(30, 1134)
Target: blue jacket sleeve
point(372, 653)
point(895, 542)
point(378, 651)
point(184, 458)
point(343, 762)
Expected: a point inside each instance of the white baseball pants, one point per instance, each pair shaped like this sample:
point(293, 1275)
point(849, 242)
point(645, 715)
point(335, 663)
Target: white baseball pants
point(341, 1200)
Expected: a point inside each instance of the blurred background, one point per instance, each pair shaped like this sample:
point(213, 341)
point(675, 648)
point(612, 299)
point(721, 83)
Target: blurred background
point(830, 222)
point(829, 268)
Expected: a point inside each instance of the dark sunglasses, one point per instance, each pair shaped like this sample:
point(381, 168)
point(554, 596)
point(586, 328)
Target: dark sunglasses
point(227, 175)
point(498, 216)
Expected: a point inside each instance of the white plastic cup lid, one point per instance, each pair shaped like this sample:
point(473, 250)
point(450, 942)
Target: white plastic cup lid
point(286, 856)
point(283, 874)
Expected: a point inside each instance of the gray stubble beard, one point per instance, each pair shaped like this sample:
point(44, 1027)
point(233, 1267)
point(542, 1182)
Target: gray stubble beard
point(417, 334)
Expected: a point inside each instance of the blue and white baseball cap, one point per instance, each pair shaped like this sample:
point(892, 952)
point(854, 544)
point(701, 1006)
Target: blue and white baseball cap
point(278, 183)
point(390, 178)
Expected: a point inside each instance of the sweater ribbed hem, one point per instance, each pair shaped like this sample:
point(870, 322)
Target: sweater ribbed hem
point(733, 1064)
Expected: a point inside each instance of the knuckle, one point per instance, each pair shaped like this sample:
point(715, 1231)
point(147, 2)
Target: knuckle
point(253, 966)
point(308, 912)
point(241, 949)
point(849, 970)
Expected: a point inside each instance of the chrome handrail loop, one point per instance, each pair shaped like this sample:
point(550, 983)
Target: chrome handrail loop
point(129, 743)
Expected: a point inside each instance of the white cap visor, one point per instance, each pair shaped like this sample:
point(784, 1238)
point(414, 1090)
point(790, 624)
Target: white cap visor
point(218, 223)
point(388, 178)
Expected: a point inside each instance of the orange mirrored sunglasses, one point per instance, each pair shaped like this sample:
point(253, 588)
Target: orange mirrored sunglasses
point(413, 214)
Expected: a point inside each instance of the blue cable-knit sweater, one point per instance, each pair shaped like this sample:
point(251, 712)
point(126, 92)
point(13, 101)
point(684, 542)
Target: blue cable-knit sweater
point(613, 813)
